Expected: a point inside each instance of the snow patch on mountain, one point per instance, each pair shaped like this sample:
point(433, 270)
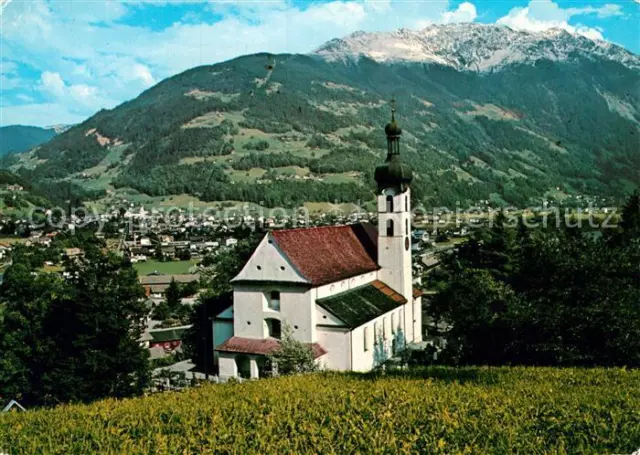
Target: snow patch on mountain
point(472, 47)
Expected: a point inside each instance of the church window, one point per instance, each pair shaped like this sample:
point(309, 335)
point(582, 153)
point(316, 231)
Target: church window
point(389, 228)
point(406, 203)
point(406, 226)
point(393, 324)
point(385, 329)
point(274, 300)
point(274, 329)
point(389, 203)
point(366, 338)
point(375, 333)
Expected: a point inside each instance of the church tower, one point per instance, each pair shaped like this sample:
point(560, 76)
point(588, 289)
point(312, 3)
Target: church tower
point(394, 215)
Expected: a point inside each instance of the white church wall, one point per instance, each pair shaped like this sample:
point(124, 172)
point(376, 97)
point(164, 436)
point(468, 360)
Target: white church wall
point(408, 324)
point(417, 317)
point(248, 302)
point(298, 309)
point(251, 309)
point(336, 341)
point(268, 264)
point(337, 287)
point(366, 359)
point(323, 317)
point(227, 366)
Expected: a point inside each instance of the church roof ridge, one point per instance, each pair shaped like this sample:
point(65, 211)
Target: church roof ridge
point(311, 228)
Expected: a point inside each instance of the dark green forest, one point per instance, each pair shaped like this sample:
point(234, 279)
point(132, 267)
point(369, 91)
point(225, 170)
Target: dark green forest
point(546, 296)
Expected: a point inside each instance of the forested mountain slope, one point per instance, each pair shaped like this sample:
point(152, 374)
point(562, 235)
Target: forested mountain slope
point(285, 129)
point(20, 138)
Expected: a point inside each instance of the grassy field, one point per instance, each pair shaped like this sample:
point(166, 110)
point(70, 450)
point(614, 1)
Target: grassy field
point(436, 410)
point(164, 268)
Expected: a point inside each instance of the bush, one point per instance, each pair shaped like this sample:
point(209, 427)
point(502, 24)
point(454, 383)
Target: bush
point(256, 145)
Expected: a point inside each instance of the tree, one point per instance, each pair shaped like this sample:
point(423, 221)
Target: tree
point(293, 356)
point(184, 255)
point(157, 252)
point(27, 355)
point(630, 223)
point(555, 296)
point(73, 339)
point(173, 294)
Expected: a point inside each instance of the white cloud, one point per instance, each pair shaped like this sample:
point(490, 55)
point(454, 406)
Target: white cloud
point(25, 98)
point(53, 84)
point(543, 15)
point(466, 12)
point(7, 67)
point(9, 83)
point(78, 97)
point(607, 10)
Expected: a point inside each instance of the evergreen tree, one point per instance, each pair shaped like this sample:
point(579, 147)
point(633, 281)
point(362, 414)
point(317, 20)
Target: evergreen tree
point(554, 296)
point(76, 338)
point(173, 295)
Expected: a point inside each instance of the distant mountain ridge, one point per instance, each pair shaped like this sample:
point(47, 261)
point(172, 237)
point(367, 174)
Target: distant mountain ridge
point(512, 117)
point(20, 138)
point(472, 47)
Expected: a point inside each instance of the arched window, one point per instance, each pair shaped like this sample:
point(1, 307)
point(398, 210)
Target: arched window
point(375, 333)
point(389, 203)
point(274, 300)
point(366, 338)
point(406, 203)
point(406, 226)
point(274, 329)
point(393, 323)
point(385, 329)
point(389, 228)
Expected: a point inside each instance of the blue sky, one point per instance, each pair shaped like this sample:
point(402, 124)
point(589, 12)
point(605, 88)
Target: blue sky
point(63, 60)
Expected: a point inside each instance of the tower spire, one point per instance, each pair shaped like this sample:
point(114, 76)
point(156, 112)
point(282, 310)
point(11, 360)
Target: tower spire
point(393, 132)
point(393, 108)
point(394, 173)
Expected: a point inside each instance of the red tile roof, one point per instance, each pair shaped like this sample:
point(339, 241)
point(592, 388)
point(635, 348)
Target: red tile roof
point(260, 346)
point(329, 253)
point(417, 293)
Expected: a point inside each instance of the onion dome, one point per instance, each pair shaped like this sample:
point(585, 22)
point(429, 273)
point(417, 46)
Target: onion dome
point(393, 173)
point(392, 128)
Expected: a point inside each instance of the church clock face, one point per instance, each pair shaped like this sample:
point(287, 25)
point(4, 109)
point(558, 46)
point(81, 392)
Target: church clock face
point(406, 243)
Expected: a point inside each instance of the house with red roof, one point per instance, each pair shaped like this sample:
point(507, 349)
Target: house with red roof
point(346, 291)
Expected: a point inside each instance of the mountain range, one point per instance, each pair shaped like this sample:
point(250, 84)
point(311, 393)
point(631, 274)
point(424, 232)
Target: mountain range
point(488, 113)
point(21, 138)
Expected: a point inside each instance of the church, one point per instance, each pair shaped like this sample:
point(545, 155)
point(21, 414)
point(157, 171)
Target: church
point(346, 291)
